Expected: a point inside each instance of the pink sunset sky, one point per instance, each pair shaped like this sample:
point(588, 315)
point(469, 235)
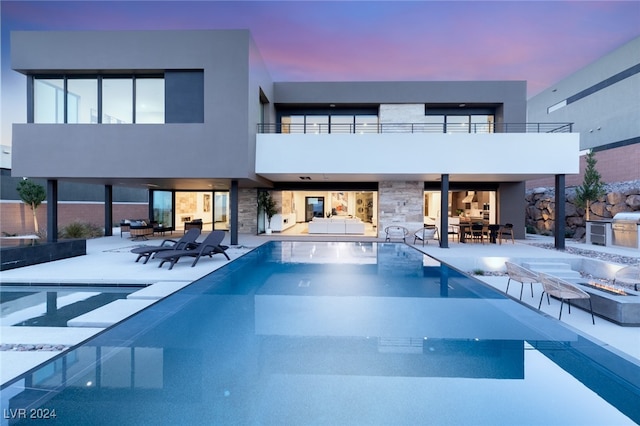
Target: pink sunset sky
point(537, 41)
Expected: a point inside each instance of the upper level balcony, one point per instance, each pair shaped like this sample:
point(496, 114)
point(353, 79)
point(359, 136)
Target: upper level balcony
point(416, 151)
point(361, 128)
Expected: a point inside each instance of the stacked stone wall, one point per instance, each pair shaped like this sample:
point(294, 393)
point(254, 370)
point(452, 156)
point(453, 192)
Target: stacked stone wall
point(540, 207)
point(400, 203)
point(247, 211)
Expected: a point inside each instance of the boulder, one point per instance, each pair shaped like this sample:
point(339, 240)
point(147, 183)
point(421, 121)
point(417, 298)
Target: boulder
point(540, 206)
point(633, 201)
point(570, 209)
point(600, 209)
point(579, 233)
point(614, 198)
point(575, 221)
point(622, 207)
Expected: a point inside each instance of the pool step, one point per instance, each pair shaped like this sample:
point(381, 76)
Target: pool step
point(108, 315)
point(556, 269)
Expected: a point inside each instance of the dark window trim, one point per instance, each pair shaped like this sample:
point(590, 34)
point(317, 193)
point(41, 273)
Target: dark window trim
point(65, 77)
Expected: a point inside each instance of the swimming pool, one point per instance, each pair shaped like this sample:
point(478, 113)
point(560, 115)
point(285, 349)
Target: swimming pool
point(335, 333)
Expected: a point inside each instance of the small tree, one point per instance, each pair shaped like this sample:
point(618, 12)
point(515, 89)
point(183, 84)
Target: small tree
point(268, 205)
point(33, 195)
point(592, 187)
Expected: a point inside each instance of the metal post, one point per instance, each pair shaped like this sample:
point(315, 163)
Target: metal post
point(233, 222)
point(52, 210)
point(560, 215)
point(444, 211)
point(108, 210)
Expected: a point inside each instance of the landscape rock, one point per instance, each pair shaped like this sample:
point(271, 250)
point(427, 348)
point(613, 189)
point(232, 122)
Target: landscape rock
point(540, 207)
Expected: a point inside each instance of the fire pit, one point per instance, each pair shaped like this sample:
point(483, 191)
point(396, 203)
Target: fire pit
point(608, 288)
point(613, 303)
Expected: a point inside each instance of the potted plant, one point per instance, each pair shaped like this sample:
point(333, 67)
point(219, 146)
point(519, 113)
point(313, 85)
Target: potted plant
point(268, 205)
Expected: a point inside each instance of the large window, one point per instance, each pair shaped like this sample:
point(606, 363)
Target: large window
point(338, 123)
point(149, 100)
point(82, 100)
point(163, 208)
point(48, 94)
point(119, 100)
point(460, 118)
point(468, 206)
point(366, 124)
point(457, 123)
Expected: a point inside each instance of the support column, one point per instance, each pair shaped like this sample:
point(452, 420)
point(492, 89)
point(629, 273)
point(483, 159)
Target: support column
point(150, 198)
point(560, 213)
point(108, 210)
point(52, 210)
point(444, 211)
point(233, 220)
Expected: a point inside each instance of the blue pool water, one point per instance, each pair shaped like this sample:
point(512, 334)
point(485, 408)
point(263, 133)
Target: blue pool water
point(335, 334)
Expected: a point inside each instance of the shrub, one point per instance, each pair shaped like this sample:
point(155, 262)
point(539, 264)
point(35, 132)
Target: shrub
point(81, 230)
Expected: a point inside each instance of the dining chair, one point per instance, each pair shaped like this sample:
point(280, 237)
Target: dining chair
point(477, 232)
point(506, 231)
point(493, 232)
point(454, 227)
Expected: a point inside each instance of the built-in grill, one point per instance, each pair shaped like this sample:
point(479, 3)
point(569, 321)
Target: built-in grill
point(624, 227)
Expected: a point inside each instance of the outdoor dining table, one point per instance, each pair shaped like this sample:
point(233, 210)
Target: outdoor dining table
point(492, 229)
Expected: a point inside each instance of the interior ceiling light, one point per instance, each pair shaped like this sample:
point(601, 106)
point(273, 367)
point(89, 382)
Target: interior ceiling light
point(462, 105)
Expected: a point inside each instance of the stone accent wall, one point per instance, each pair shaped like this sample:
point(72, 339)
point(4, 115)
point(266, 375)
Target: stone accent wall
point(248, 211)
point(540, 207)
point(400, 203)
point(402, 113)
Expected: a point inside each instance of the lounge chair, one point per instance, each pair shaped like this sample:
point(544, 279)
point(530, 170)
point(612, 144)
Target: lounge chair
point(522, 275)
point(563, 290)
point(428, 232)
point(398, 232)
point(188, 241)
point(208, 247)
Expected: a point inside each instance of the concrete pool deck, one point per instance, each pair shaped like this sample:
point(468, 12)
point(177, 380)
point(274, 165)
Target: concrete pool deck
point(109, 261)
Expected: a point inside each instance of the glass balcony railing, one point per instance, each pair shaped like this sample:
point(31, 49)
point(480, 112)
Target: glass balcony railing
point(342, 128)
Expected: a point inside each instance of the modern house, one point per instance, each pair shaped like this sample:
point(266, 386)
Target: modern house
point(602, 100)
point(194, 117)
